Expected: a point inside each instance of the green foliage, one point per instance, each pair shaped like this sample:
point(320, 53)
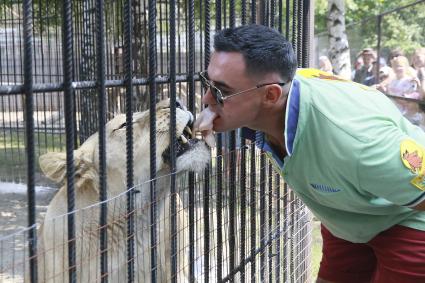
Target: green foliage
point(403, 29)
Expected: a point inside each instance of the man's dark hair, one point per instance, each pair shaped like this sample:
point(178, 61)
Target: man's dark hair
point(264, 49)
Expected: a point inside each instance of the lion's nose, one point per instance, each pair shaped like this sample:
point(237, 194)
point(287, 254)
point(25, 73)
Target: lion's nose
point(191, 119)
point(180, 105)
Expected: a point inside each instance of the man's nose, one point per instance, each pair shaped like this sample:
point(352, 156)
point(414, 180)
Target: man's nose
point(208, 98)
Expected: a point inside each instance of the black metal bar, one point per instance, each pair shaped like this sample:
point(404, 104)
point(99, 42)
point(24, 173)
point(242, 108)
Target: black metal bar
point(296, 236)
point(206, 209)
point(152, 138)
point(251, 258)
point(232, 177)
point(243, 11)
point(100, 68)
point(267, 13)
point(29, 133)
point(303, 243)
point(161, 43)
point(262, 13)
point(53, 87)
point(270, 216)
point(173, 191)
point(206, 192)
point(278, 218)
point(285, 235)
point(262, 214)
point(67, 54)
point(232, 202)
point(232, 9)
point(219, 172)
point(292, 255)
point(253, 11)
point(243, 206)
point(300, 35)
point(219, 205)
point(192, 108)
point(306, 34)
point(272, 13)
point(280, 16)
point(224, 13)
point(128, 74)
point(301, 58)
point(288, 21)
point(253, 203)
point(295, 27)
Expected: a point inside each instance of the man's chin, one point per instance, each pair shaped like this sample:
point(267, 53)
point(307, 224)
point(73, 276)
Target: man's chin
point(222, 128)
point(218, 127)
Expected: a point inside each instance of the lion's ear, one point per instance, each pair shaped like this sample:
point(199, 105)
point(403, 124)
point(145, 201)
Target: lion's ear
point(86, 176)
point(53, 165)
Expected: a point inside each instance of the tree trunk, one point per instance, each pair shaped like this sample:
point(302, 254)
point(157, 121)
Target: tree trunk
point(339, 50)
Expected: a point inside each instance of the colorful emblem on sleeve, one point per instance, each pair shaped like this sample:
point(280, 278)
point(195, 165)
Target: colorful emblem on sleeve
point(412, 156)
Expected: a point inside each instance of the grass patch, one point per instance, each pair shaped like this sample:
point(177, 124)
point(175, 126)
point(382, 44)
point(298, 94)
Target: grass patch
point(316, 249)
point(13, 152)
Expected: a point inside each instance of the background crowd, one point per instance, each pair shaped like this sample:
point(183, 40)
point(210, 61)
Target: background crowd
point(396, 76)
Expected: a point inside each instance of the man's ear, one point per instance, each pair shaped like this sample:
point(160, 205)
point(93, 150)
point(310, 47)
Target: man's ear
point(273, 94)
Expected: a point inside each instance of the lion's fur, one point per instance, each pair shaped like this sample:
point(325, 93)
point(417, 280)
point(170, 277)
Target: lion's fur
point(52, 235)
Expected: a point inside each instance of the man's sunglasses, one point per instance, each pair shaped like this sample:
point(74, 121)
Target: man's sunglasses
point(218, 94)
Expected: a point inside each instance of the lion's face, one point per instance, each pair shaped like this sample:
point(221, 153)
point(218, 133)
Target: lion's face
point(192, 154)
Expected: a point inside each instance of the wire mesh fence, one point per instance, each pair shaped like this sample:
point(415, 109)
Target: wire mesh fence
point(269, 229)
point(68, 67)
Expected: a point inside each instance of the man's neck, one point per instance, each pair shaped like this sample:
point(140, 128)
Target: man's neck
point(278, 146)
point(272, 122)
point(274, 129)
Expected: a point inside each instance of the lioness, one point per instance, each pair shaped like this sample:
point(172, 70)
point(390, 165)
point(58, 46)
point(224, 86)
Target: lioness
point(192, 154)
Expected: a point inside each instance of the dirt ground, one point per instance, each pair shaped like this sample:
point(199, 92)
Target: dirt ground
point(13, 221)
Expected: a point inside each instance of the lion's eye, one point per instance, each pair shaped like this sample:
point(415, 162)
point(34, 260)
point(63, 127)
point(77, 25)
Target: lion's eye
point(121, 126)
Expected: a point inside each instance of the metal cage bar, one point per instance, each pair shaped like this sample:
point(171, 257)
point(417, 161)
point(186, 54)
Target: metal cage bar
point(130, 203)
point(30, 146)
point(100, 68)
point(69, 126)
point(152, 138)
point(173, 191)
point(206, 191)
point(240, 222)
point(253, 222)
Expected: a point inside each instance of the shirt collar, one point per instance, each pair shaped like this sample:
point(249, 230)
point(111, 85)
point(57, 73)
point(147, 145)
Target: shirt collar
point(291, 122)
point(292, 113)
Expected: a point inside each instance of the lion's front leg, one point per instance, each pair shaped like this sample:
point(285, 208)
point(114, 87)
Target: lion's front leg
point(164, 246)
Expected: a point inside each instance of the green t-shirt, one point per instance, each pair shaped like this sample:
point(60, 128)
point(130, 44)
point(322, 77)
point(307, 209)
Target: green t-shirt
point(353, 159)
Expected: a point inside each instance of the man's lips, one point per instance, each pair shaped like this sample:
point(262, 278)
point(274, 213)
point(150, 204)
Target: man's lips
point(204, 124)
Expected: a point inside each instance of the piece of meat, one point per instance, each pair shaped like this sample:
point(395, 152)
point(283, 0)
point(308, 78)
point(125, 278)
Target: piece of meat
point(204, 124)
